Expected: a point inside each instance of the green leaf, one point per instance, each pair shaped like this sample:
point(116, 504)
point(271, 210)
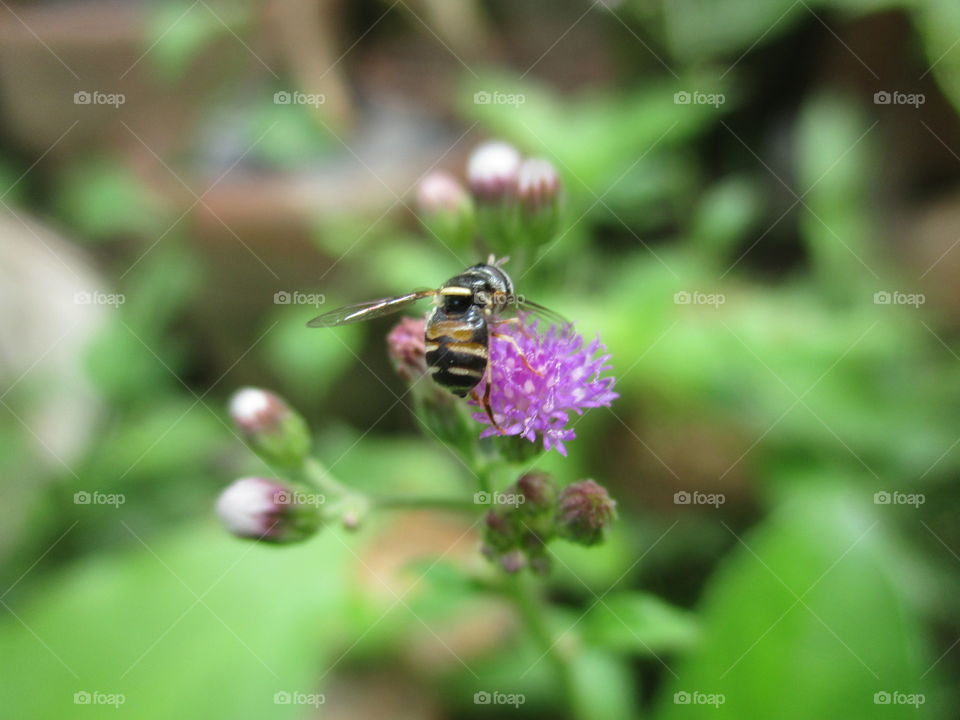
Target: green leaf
point(176, 33)
point(102, 198)
point(202, 625)
point(937, 22)
point(806, 620)
point(310, 362)
point(604, 687)
point(639, 623)
point(703, 28)
point(834, 165)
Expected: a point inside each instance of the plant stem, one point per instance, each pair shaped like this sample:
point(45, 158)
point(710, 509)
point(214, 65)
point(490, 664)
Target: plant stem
point(318, 475)
point(484, 472)
point(390, 502)
point(533, 609)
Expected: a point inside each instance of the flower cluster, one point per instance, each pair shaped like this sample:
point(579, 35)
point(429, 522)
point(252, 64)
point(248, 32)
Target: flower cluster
point(513, 203)
point(540, 377)
point(541, 380)
point(531, 513)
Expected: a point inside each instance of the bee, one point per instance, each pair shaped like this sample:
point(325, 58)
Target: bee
point(467, 311)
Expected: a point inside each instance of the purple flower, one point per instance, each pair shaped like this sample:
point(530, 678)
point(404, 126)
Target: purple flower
point(537, 394)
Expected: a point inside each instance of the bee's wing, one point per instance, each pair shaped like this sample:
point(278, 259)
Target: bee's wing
point(528, 307)
point(368, 310)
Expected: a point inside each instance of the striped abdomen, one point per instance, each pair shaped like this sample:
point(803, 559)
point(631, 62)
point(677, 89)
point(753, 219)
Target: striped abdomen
point(457, 349)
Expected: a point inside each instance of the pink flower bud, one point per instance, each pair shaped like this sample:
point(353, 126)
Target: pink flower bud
point(538, 184)
point(492, 171)
point(254, 410)
point(269, 510)
point(440, 192)
point(446, 210)
point(584, 512)
point(272, 427)
point(405, 344)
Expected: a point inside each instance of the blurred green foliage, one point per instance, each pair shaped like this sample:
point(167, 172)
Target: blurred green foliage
point(803, 601)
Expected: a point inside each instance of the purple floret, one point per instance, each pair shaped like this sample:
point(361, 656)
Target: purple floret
point(529, 404)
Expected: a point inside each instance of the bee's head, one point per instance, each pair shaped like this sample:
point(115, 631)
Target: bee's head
point(482, 285)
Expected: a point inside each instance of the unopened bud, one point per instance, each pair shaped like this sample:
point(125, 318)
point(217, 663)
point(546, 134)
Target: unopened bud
point(538, 184)
point(539, 492)
point(446, 209)
point(538, 195)
point(492, 171)
point(406, 346)
point(513, 561)
point(269, 510)
point(500, 534)
point(584, 512)
point(278, 433)
point(536, 551)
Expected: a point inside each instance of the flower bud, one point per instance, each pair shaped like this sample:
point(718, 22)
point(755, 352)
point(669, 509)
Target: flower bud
point(406, 347)
point(277, 433)
point(500, 533)
point(446, 210)
point(516, 532)
point(539, 492)
point(269, 510)
point(535, 549)
point(538, 184)
point(584, 512)
point(513, 561)
point(538, 194)
point(492, 171)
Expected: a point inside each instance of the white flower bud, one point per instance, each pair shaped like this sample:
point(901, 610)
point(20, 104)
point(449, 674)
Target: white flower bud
point(492, 171)
point(271, 426)
point(537, 184)
point(269, 510)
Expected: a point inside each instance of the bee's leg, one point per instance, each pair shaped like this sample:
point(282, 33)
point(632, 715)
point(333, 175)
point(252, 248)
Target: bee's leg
point(518, 322)
point(516, 346)
point(484, 402)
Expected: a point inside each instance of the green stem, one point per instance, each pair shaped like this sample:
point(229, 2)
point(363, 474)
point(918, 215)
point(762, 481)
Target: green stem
point(318, 475)
point(533, 610)
point(399, 502)
point(484, 471)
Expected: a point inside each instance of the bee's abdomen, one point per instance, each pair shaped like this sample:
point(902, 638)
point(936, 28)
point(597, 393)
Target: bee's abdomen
point(456, 354)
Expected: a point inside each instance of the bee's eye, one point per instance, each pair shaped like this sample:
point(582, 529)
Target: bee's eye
point(458, 303)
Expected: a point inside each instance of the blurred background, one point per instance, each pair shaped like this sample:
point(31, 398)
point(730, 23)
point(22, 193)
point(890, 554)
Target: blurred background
point(762, 211)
